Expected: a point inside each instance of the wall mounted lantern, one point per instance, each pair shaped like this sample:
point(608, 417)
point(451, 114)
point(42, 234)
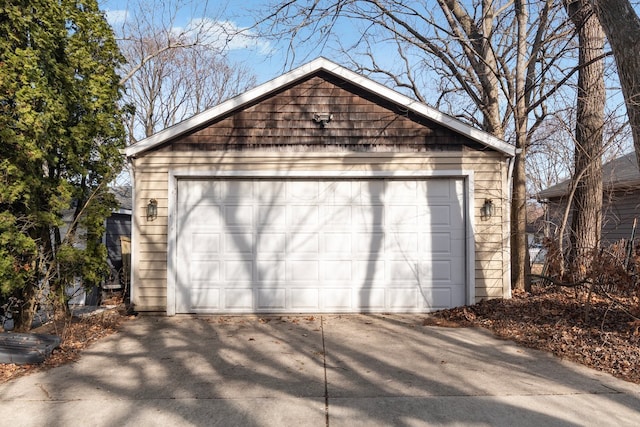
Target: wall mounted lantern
point(322, 118)
point(487, 209)
point(152, 210)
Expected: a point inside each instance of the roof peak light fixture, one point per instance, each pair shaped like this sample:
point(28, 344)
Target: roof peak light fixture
point(322, 118)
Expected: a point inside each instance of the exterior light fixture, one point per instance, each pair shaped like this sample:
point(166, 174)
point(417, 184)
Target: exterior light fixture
point(487, 209)
point(322, 118)
point(152, 210)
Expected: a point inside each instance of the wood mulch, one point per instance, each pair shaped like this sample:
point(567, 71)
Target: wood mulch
point(548, 319)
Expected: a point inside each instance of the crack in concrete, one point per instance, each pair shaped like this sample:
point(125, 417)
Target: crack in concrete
point(324, 363)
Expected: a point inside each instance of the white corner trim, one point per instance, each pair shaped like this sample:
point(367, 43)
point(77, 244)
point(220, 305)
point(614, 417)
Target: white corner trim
point(175, 175)
point(303, 71)
point(470, 250)
point(135, 230)
point(172, 244)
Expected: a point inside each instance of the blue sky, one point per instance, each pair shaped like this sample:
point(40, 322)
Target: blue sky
point(262, 56)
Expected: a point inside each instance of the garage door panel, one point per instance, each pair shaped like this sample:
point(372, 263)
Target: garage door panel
point(436, 271)
point(337, 270)
point(302, 216)
point(271, 191)
point(302, 270)
point(336, 243)
point(272, 216)
point(436, 243)
point(370, 191)
point(367, 243)
point(247, 245)
point(238, 298)
point(196, 191)
point(235, 190)
point(305, 299)
point(270, 245)
point(337, 216)
point(445, 243)
point(238, 243)
point(369, 272)
point(201, 215)
point(438, 190)
point(204, 298)
point(442, 273)
point(402, 243)
point(439, 298)
point(336, 192)
point(369, 218)
point(302, 191)
point(402, 216)
point(205, 243)
point(403, 271)
point(402, 298)
point(401, 191)
point(372, 298)
point(337, 299)
point(238, 271)
point(207, 271)
point(440, 216)
point(238, 216)
point(271, 299)
point(303, 244)
point(271, 271)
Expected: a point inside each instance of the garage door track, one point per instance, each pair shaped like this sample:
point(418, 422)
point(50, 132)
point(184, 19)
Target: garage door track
point(328, 370)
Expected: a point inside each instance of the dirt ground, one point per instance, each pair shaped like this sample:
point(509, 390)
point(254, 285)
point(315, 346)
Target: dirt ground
point(548, 319)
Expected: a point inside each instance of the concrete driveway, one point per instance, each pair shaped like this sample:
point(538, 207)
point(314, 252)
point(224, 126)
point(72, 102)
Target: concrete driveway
point(317, 371)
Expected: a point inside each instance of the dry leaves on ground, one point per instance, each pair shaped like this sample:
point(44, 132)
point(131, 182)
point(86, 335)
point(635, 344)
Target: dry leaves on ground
point(77, 334)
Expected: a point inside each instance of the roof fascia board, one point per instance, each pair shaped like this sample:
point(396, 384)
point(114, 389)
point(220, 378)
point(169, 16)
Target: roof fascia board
point(303, 71)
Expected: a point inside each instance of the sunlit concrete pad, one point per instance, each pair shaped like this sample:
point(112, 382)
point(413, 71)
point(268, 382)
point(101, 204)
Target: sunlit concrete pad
point(397, 356)
point(167, 412)
point(484, 411)
point(348, 370)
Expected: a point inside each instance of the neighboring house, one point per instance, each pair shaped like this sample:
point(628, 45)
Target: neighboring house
point(621, 199)
point(319, 191)
point(118, 228)
point(117, 237)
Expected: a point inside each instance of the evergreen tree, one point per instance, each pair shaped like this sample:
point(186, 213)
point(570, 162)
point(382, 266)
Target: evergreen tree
point(60, 135)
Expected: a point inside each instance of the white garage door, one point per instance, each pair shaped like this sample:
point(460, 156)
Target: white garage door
point(322, 245)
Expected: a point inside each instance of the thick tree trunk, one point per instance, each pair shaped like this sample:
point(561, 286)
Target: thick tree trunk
point(519, 251)
point(587, 202)
point(622, 27)
point(28, 304)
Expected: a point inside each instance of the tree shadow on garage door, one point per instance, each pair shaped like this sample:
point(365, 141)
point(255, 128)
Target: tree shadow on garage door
point(305, 370)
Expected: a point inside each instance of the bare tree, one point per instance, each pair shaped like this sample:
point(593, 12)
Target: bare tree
point(173, 72)
point(622, 27)
point(503, 56)
point(587, 200)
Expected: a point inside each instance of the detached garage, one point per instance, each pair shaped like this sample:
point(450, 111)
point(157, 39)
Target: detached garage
point(320, 191)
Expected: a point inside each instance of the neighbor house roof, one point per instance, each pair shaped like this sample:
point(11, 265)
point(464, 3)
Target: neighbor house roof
point(320, 64)
point(123, 196)
point(620, 173)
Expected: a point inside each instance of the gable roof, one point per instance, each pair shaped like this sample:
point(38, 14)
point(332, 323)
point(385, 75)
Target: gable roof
point(320, 64)
point(619, 173)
